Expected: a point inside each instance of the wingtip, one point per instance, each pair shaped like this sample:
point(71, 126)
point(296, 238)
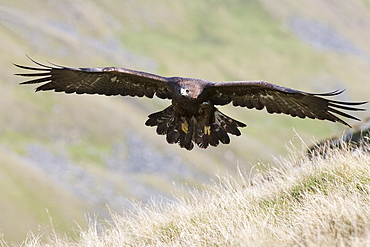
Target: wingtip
point(40, 64)
point(348, 125)
point(18, 66)
point(332, 93)
point(30, 58)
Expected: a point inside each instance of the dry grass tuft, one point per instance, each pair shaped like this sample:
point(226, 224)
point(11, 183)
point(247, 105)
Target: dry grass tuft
point(305, 202)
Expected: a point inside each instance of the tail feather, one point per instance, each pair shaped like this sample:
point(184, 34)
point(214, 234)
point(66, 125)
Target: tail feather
point(163, 119)
point(198, 134)
point(173, 135)
point(162, 128)
point(194, 129)
point(185, 140)
point(223, 136)
point(156, 117)
point(228, 124)
point(210, 139)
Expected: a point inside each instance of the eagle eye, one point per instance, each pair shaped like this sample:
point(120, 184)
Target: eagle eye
point(184, 91)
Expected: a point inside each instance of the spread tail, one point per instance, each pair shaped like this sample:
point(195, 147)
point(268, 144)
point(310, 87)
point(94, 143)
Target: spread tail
point(203, 129)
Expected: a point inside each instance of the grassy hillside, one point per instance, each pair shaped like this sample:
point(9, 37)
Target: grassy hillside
point(95, 151)
point(317, 202)
point(24, 192)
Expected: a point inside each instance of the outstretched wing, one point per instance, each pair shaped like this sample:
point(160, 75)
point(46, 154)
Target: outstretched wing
point(107, 81)
point(277, 99)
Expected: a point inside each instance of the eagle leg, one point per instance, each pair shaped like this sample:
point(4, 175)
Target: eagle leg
point(185, 126)
point(213, 127)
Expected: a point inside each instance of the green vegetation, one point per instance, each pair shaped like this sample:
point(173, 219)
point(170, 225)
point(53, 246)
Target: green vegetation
point(84, 152)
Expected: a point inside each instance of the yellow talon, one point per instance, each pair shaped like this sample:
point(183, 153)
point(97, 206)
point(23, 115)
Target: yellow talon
point(185, 127)
point(207, 130)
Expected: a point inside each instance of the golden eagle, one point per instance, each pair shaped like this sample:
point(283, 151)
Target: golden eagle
point(192, 117)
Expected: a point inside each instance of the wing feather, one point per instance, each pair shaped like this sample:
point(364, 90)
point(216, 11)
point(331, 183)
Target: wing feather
point(107, 81)
point(278, 99)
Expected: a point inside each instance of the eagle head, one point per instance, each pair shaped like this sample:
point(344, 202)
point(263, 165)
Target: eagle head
point(190, 88)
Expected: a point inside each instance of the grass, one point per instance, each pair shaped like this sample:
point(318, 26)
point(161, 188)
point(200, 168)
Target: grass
point(304, 202)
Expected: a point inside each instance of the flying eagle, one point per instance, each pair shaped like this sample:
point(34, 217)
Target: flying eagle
point(192, 117)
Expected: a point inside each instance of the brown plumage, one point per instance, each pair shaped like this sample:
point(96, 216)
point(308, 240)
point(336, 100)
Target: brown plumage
point(192, 117)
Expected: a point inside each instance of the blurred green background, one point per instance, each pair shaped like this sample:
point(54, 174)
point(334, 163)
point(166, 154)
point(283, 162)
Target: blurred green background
point(65, 157)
